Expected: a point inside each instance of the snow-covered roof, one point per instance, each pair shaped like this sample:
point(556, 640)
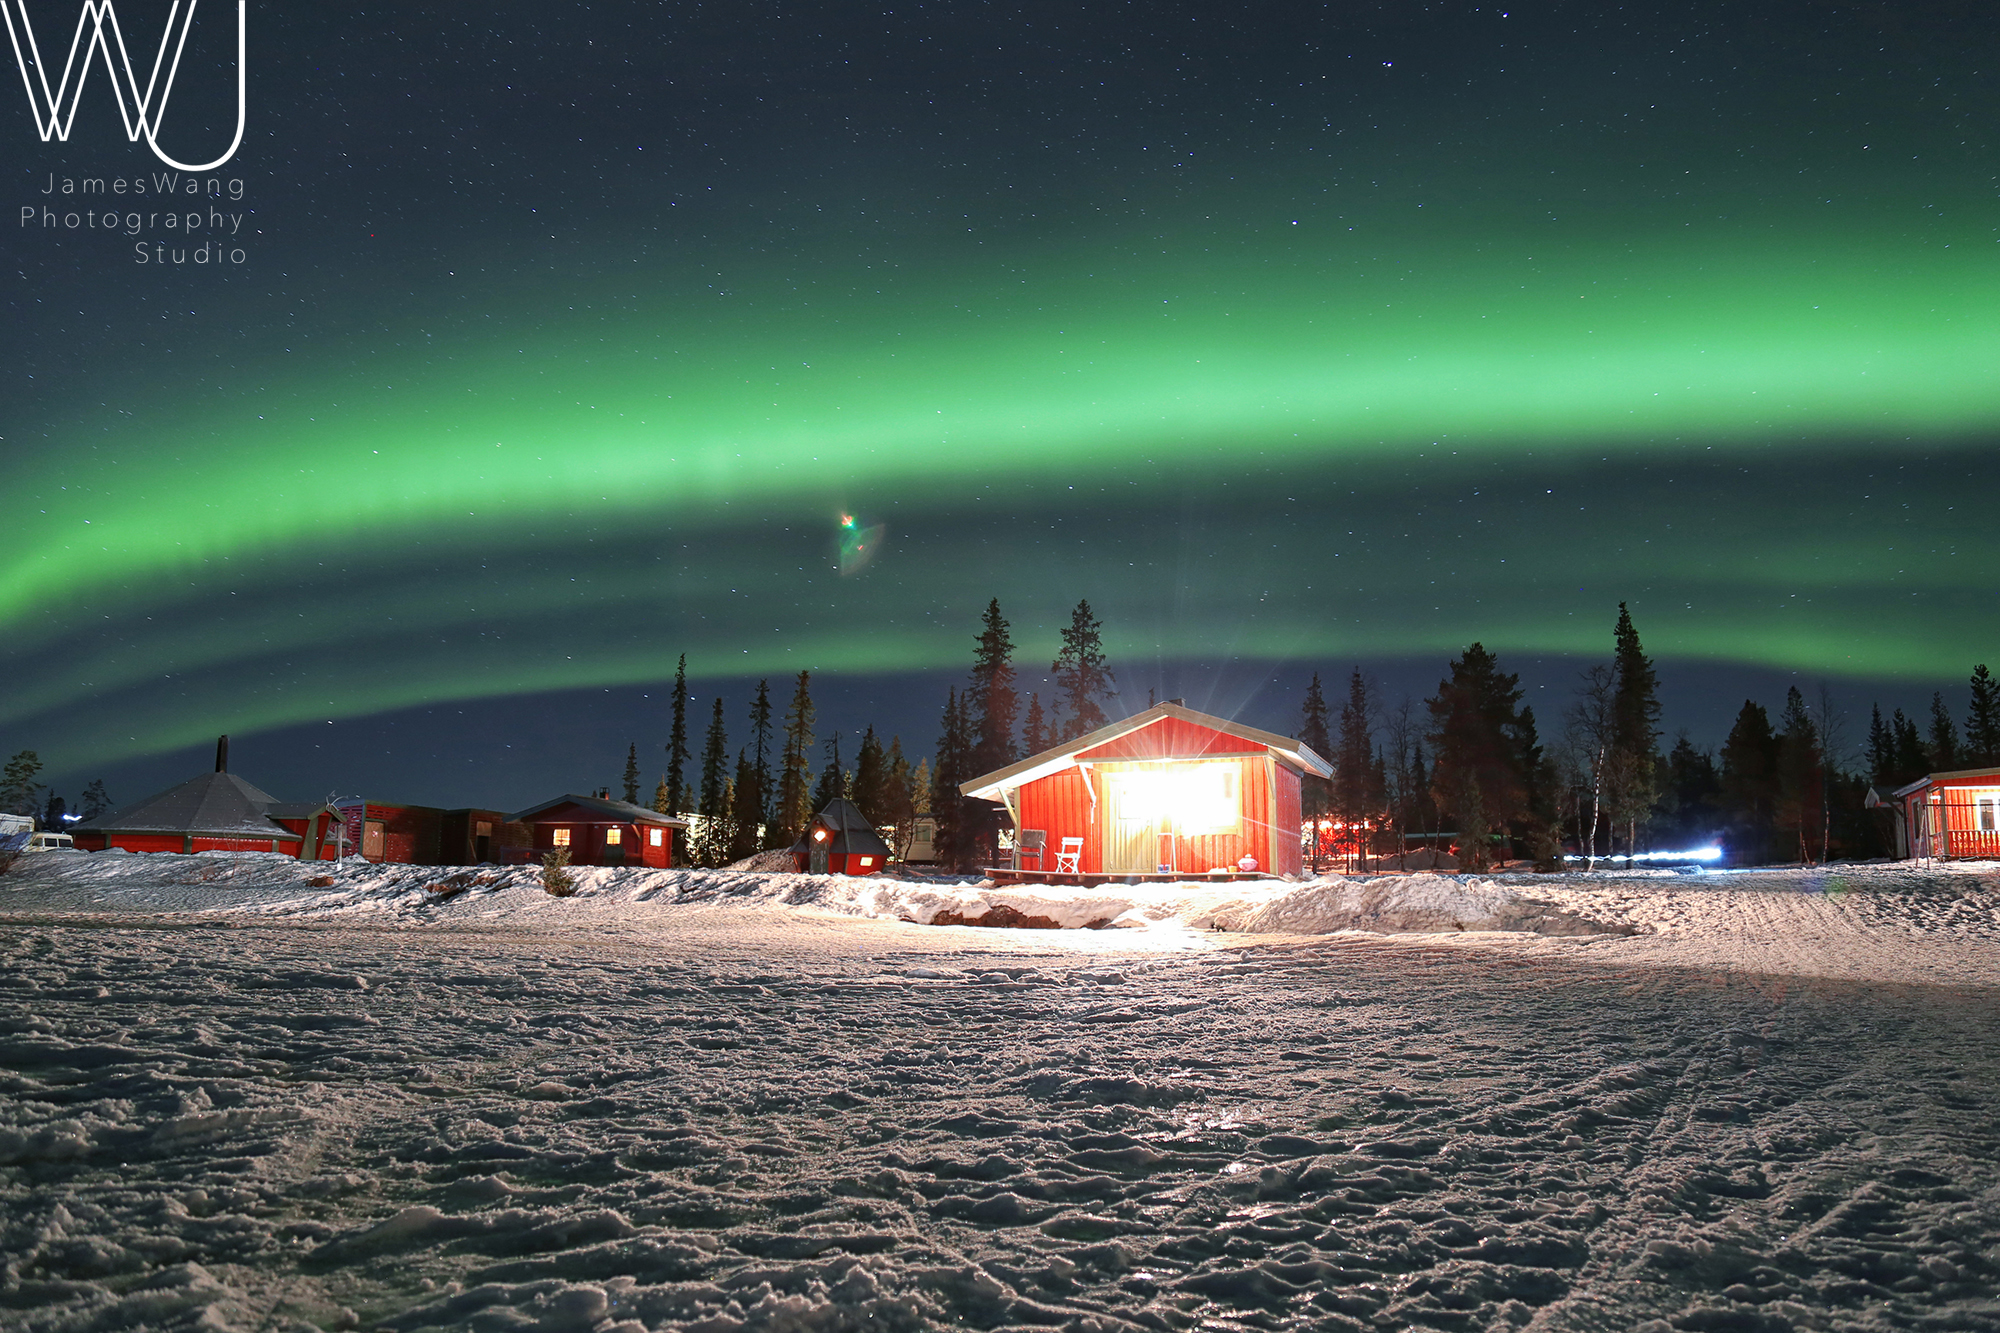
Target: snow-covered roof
point(219, 805)
point(620, 812)
point(1293, 754)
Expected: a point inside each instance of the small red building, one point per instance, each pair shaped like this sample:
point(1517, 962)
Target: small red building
point(840, 841)
point(599, 831)
point(1954, 815)
point(1167, 791)
point(216, 812)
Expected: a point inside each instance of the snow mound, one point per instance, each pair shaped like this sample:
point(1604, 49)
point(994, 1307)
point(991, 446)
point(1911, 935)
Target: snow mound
point(1411, 904)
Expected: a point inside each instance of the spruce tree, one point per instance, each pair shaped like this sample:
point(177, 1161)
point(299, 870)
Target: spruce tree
point(1982, 721)
point(1750, 785)
point(1081, 674)
point(746, 810)
point(677, 744)
point(1881, 750)
point(1799, 792)
point(871, 780)
point(1356, 798)
point(1476, 774)
point(1034, 728)
point(953, 838)
point(632, 774)
point(1315, 792)
point(795, 767)
point(760, 750)
point(713, 806)
point(18, 785)
point(831, 781)
point(1942, 752)
point(1635, 741)
point(991, 700)
point(53, 812)
point(1691, 795)
point(660, 797)
point(96, 801)
point(1911, 761)
point(715, 779)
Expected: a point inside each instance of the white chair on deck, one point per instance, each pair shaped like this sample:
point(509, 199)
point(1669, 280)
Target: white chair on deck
point(1069, 857)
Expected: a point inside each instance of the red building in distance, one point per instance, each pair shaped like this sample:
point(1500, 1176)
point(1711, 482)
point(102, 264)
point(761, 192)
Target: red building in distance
point(599, 831)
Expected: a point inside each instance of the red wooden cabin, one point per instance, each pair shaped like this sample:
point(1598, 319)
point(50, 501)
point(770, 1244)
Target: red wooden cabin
point(1167, 791)
point(215, 812)
point(599, 831)
point(1953, 815)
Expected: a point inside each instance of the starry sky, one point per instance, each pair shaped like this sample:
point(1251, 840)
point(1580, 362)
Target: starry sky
point(548, 342)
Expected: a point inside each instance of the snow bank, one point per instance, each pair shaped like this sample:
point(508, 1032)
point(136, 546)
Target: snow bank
point(266, 886)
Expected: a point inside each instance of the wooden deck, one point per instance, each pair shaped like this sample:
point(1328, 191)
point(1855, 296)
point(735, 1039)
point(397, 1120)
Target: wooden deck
point(1098, 879)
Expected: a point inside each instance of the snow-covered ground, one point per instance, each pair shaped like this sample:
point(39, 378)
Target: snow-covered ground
point(716, 1101)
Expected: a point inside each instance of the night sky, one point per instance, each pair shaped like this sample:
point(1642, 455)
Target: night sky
point(1294, 337)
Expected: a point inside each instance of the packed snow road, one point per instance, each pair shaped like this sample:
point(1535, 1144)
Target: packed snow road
point(746, 1118)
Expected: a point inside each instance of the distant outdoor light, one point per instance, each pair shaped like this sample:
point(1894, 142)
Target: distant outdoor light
point(1698, 854)
point(819, 835)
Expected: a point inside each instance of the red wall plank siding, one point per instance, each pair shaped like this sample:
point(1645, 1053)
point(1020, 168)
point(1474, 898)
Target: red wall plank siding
point(1168, 736)
point(1060, 805)
point(1268, 818)
point(1287, 857)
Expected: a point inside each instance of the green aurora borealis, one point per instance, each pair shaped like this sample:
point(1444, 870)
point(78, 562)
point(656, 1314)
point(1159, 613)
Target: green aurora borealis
point(1278, 410)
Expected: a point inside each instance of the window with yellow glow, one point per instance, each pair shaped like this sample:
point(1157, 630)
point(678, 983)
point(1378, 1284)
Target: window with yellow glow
point(562, 837)
point(656, 836)
point(613, 836)
point(1195, 799)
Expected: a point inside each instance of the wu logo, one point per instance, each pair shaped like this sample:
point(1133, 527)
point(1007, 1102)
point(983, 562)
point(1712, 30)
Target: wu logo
point(55, 109)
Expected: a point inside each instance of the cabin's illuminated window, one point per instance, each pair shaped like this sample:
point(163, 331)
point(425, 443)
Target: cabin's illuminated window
point(562, 837)
point(867, 860)
point(656, 836)
point(613, 836)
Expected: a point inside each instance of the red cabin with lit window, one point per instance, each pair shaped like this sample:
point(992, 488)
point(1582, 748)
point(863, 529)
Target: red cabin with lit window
point(1165, 792)
point(1948, 815)
point(598, 831)
point(840, 841)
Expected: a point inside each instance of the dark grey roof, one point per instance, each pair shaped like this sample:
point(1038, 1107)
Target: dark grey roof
point(623, 812)
point(219, 805)
point(850, 829)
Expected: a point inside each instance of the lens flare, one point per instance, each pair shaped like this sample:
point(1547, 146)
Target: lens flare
point(858, 545)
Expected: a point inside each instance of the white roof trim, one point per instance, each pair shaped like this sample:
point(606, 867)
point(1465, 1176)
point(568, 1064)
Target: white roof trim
point(1293, 754)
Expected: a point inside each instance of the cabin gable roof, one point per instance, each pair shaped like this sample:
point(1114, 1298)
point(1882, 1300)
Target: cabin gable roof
point(1182, 739)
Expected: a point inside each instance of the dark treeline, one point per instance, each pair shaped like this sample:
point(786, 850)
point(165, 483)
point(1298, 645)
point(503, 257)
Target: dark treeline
point(21, 794)
point(761, 799)
point(1469, 772)
point(1493, 787)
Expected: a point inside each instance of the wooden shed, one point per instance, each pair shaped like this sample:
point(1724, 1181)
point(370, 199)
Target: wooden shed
point(840, 841)
point(1165, 792)
point(599, 831)
point(1954, 815)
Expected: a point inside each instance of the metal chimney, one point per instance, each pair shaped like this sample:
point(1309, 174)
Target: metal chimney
point(222, 754)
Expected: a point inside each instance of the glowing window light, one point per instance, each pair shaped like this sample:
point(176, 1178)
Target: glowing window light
point(867, 860)
point(1195, 799)
point(819, 835)
point(655, 836)
point(613, 836)
point(562, 837)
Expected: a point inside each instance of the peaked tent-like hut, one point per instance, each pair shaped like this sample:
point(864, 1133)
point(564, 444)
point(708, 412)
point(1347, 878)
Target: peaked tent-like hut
point(599, 831)
point(840, 841)
point(216, 812)
point(1168, 791)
